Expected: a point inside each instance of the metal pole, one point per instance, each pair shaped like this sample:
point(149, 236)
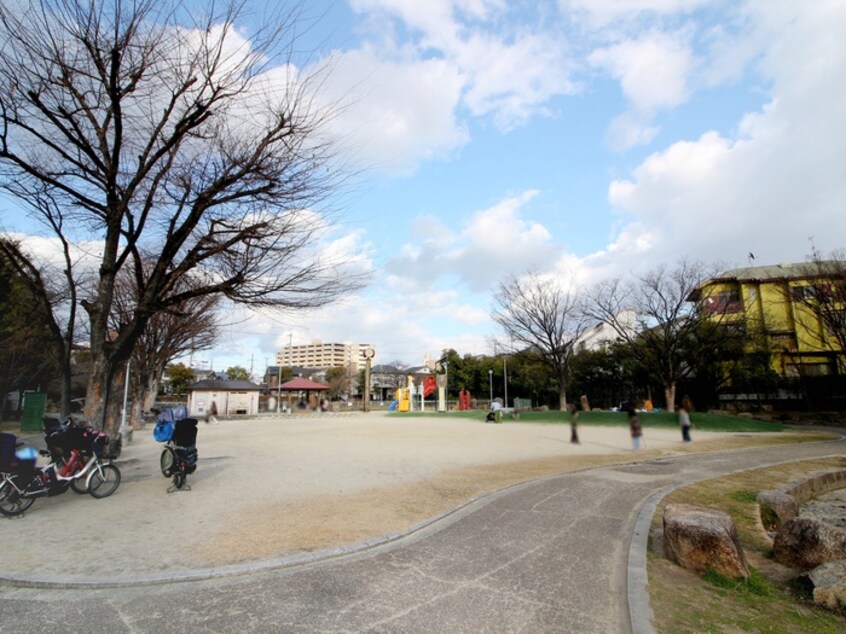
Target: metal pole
point(366, 390)
point(505, 379)
point(278, 386)
point(123, 429)
point(446, 383)
point(490, 380)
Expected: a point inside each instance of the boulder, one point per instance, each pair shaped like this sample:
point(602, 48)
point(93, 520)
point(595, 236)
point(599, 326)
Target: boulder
point(776, 508)
point(827, 584)
point(699, 539)
point(806, 543)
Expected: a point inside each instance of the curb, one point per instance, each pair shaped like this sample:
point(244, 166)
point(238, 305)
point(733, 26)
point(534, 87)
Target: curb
point(641, 614)
point(289, 562)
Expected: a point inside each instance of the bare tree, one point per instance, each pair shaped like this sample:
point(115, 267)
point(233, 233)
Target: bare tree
point(823, 302)
point(152, 131)
point(169, 334)
point(541, 313)
point(670, 332)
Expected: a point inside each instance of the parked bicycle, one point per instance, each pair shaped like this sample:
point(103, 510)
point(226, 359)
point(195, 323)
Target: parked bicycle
point(85, 469)
point(179, 456)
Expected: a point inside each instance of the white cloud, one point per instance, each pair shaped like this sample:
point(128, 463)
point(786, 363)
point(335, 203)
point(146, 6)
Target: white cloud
point(601, 12)
point(493, 243)
point(511, 70)
point(48, 252)
point(781, 179)
point(395, 113)
point(653, 69)
point(628, 130)
point(400, 326)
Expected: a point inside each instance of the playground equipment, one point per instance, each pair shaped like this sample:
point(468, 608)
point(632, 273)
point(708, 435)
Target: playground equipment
point(402, 398)
point(429, 385)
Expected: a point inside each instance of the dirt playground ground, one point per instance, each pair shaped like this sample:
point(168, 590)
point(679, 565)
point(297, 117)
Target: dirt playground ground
point(266, 488)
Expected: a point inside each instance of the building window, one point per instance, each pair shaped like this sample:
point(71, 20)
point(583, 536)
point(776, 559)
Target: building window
point(803, 292)
point(808, 369)
point(723, 303)
point(811, 291)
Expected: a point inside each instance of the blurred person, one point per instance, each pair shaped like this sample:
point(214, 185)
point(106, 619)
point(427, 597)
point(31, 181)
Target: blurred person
point(635, 428)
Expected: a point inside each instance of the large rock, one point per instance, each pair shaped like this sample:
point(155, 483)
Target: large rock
point(698, 539)
point(806, 543)
point(777, 507)
point(827, 584)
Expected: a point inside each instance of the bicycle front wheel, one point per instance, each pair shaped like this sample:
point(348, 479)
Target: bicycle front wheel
point(104, 481)
point(168, 462)
point(11, 502)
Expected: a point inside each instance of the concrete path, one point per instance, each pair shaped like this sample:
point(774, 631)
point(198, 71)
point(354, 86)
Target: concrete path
point(563, 554)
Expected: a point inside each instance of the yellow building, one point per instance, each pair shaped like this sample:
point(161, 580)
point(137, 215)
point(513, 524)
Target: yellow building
point(779, 309)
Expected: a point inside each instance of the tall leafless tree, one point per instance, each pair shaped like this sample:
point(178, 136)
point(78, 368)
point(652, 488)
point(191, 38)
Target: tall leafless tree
point(656, 316)
point(152, 131)
point(543, 313)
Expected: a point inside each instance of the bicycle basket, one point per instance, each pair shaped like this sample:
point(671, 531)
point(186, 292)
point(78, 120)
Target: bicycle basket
point(100, 444)
point(113, 449)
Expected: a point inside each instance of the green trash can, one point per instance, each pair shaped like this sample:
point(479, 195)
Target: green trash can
point(32, 414)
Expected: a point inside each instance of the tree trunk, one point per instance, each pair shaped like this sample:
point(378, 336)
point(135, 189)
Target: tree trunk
point(562, 400)
point(145, 390)
point(104, 398)
point(670, 395)
point(64, 390)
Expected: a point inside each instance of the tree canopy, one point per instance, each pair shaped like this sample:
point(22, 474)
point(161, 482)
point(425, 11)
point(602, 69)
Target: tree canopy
point(182, 153)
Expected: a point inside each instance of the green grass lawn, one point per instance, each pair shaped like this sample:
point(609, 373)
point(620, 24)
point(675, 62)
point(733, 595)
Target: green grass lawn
point(701, 421)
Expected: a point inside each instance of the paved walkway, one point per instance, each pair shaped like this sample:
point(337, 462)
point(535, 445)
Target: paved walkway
point(562, 554)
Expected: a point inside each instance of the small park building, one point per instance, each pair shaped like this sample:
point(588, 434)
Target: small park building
point(224, 398)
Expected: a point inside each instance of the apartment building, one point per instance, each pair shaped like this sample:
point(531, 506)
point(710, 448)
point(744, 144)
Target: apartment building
point(320, 355)
point(776, 307)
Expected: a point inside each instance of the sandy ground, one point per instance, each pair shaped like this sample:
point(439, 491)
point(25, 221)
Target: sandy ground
point(272, 487)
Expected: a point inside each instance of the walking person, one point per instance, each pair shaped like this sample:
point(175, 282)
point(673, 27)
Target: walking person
point(635, 428)
point(684, 418)
point(211, 415)
point(574, 424)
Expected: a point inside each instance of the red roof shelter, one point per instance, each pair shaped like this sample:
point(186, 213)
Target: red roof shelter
point(303, 385)
point(300, 384)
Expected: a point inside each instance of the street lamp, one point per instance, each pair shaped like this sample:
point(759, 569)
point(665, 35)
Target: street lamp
point(490, 380)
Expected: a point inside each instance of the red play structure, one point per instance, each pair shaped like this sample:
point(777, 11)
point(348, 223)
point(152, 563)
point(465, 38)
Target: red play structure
point(463, 400)
point(429, 385)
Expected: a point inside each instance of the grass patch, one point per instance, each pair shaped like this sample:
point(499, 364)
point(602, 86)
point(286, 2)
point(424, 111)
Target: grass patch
point(744, 495)
point(754, 586)
point(768, 601)
point(701, 421)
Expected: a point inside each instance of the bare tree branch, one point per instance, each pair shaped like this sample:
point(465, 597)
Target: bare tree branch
point(672, 331)
point(158, 132)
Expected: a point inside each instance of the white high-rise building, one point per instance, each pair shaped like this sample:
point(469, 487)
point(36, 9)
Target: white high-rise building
point(323, 355)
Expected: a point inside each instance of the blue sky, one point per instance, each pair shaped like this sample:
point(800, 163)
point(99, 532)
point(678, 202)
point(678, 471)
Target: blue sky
point(588, 138)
